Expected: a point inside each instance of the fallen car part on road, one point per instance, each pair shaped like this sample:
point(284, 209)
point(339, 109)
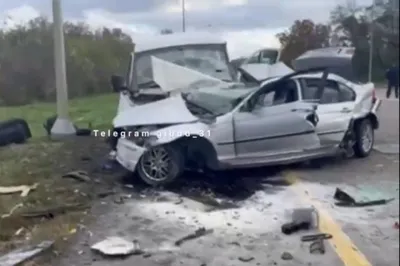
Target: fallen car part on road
point(22, 255)
point(292, 227)
point(78, 175)
point(198, 233)
point(345, 200)
point(286, 256)
point(14, 131)
point(117, 246)
point(246, 259)
point(24, 189)
point(308, 238)
point(317, 245)
point(54, 211)
point(302, 219)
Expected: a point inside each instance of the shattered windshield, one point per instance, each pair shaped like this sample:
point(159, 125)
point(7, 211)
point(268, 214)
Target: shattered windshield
point(209, 60)
point(218, 100)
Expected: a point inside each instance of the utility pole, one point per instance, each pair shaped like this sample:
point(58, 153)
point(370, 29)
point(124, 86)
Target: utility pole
point(183, 16)
point(371, 45)
point(395, 4)
point(62, 126)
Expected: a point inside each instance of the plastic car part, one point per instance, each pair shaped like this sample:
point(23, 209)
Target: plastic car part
point(14, 131)
point(317, 247)
point(291, 228)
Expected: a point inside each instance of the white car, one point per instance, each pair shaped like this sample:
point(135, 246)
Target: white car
point(212, 124)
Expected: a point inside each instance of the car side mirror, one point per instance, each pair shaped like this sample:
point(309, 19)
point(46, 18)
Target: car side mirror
point(118, 83)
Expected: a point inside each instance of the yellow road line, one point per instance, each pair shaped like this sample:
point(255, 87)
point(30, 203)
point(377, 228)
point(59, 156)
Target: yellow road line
point(341, 243)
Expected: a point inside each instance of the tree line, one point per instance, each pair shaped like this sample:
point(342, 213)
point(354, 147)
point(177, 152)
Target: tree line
point(92, 56)
point(27, 61)
point(350, 26)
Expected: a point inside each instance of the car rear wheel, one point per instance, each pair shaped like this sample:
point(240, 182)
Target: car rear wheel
point(364, 133)
point(161, 165)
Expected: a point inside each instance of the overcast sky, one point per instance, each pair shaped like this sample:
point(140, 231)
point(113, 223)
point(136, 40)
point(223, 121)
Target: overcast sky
point(246, 24)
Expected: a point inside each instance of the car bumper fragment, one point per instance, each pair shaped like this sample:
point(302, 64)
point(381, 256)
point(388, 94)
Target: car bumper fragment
point(128, 154)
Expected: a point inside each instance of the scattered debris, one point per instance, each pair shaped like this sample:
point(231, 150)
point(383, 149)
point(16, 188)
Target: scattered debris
point(19, 231)
point(119, 200)
point(292, 227)
point(317, 245)
point(286, 256)
point(104, 194)
point(345, 200)
point(246, 259)
point(78, 175)
point(234, 243)
point(198, 233)
point(24, 189)
point(307, 215)
point(52, 212)
point(22, 255)
point(309, 238)
point(116, 246)
point(302, 219)
point(11, 212)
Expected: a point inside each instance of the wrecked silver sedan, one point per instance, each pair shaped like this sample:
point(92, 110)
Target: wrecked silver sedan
point(211, 124)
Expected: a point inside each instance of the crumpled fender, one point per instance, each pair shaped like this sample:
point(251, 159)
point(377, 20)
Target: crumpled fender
point(190, 130)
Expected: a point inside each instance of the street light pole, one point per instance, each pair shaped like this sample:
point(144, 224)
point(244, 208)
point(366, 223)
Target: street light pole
point(371, 45)
point(183, 16)
point(62, 126)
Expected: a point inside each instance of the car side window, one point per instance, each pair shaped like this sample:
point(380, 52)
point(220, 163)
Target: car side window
point(331, 92)
point(346, 93)
point(285, 92)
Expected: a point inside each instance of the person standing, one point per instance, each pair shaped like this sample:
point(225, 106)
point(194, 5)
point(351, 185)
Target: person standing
point(392, 76)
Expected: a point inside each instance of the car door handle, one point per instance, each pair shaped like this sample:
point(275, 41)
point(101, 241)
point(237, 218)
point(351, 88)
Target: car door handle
point(345, 110)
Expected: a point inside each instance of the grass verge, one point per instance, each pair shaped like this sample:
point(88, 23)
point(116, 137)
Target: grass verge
point(44, 162)
point(98, 110)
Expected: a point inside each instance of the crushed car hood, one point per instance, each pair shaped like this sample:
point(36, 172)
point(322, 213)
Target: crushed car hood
point(172, 77)
point(171, 110)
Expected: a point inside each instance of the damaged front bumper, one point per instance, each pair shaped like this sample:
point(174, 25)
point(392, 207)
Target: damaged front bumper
point(128, 154)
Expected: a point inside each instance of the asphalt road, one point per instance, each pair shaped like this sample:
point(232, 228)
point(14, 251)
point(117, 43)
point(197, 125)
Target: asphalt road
point(249, 233)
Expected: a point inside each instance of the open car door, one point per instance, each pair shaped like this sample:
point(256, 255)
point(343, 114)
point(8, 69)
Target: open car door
point(334, 114)
point(272, 125)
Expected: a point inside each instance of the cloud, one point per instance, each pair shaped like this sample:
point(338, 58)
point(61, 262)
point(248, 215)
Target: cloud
point(246, 24)
point(18, 16)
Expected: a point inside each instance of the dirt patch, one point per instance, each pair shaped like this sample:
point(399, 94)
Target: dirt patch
point(44, 162)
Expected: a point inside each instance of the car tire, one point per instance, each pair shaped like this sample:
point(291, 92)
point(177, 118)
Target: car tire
point(364, 134)
point(173, 165)
point(14, 131)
